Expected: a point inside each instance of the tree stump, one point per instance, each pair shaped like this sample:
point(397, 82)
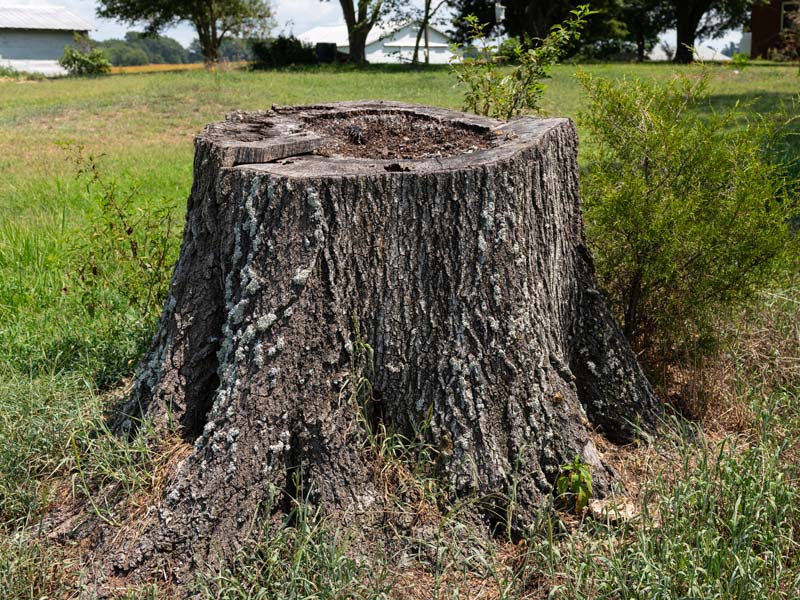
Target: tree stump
point(456, 244)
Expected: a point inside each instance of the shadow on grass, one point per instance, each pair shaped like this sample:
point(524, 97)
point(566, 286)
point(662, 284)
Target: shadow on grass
point(756, 102)
point(783, 105)
point(354, 68)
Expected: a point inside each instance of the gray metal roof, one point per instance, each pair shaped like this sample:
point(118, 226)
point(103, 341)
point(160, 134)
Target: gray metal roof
point(41, 17)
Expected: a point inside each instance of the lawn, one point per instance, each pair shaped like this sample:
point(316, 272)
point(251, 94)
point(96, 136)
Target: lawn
point(75, 316)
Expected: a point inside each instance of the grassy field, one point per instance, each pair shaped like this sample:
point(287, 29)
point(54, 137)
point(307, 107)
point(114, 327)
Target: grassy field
point(719, 512)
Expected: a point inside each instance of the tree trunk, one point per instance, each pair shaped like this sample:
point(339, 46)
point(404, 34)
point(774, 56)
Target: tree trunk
point(641, 49)
point(686, 21)
point(422, 27)
point(468, 275)
point(427, 45)
point(357, 39)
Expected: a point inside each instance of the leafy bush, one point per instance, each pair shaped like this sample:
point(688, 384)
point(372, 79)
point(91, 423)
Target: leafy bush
point(129, 251)
point(615, 50)
point(282, 52)
point(686, 211)
point(497, 92)
point(740, 61)
point(510, 49)
point(84, 59)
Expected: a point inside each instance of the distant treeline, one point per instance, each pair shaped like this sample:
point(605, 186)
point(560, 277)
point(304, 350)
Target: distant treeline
point(140, 49)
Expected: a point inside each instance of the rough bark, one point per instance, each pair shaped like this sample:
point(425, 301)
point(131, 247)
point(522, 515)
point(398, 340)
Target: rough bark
point(468, 275)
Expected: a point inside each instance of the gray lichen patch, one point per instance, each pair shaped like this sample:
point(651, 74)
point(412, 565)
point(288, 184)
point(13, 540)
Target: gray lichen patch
point(301, 277)
point(266, 321)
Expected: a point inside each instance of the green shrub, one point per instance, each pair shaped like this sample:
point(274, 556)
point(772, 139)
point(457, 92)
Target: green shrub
point(740, 61)
point(282, 52)
point(83, 59)
point(129, 252)
point(510, 49)
point(574, 484)
point(495, 91)
point(686, 211)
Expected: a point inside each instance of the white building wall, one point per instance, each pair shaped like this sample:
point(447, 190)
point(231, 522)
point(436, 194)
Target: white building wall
point(20, 44)
point(398, 47)
point(378, 53)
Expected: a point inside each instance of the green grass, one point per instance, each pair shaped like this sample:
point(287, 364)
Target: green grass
point(12, 74)
point(721, 523)
point(76, 314)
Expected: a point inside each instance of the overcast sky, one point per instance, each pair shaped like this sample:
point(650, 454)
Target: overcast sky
point(292, 16)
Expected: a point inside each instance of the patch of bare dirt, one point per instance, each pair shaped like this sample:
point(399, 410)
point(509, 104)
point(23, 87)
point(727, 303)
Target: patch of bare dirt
point(396, 136)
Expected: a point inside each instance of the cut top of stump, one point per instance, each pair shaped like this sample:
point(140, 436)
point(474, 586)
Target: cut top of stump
point(361, 137)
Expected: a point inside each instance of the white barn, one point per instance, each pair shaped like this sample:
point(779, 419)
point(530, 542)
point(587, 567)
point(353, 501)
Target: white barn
point(32, 38)
point(388, 44)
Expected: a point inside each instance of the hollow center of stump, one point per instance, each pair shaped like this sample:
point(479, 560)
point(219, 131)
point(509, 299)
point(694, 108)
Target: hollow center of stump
point(395, 135)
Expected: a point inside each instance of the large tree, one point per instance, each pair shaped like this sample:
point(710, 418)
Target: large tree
point(639, 21)
point(706, 18)
point(360, 16)
point(644, 20)
point(535, 19)
point(212, 19)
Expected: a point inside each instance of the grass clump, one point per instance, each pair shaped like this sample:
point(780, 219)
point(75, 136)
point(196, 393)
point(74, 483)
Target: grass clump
point(117, 475)
point(36, 420)
point(9, 73)
point(301, 556)
point(85, 300)
point(32, 568)
point(719, 522)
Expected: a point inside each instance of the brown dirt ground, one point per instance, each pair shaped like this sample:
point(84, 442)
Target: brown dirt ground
point(396, 136)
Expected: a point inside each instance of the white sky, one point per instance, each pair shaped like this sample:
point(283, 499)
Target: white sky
point(292, 16)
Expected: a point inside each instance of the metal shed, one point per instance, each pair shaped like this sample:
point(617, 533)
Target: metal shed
point(32, 38)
